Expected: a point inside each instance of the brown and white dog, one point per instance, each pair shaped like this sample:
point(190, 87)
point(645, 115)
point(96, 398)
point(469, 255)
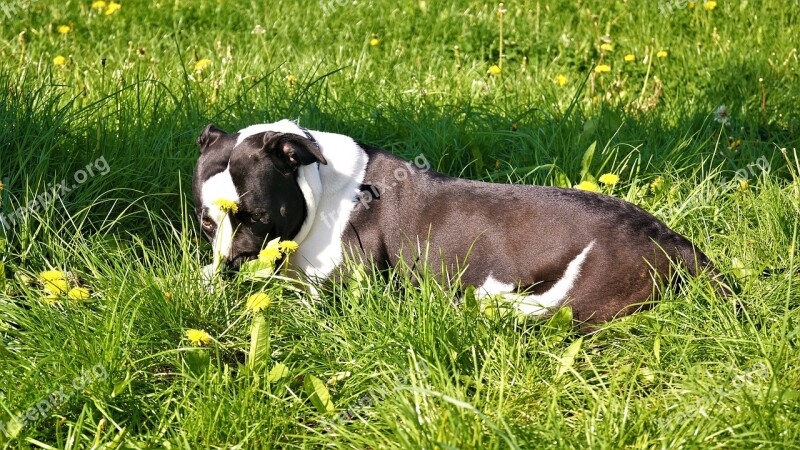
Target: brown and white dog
point(540, 247)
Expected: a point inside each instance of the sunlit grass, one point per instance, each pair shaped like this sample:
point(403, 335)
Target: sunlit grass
point(406, 363)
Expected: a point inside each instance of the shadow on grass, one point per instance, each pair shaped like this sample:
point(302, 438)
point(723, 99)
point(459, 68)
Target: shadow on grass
point(146, 132)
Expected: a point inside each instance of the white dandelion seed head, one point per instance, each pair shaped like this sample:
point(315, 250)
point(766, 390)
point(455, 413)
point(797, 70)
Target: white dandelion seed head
point(721, 114)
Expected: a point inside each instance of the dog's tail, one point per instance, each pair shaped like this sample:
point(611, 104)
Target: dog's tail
point(697, 262)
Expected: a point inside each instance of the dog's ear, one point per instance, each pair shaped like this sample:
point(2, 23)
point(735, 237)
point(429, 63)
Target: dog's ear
point(209, 135)
point(293, 149)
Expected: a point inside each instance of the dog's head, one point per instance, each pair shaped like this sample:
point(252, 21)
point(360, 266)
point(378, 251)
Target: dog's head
point(257, 174)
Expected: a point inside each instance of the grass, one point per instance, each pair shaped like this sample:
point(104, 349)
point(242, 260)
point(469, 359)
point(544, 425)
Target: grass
point(402, 365)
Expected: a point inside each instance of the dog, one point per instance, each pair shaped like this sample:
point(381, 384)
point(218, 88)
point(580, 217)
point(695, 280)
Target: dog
point(539, 247)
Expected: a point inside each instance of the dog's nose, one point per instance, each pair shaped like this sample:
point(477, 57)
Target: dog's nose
point(235, 263)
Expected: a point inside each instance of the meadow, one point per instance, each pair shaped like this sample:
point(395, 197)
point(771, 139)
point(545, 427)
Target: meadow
point(111, 340)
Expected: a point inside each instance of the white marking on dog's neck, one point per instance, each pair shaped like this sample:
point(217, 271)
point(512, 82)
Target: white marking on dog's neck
point(330, 193)
point(537, 304)
point(220, 187)
point(308, 179)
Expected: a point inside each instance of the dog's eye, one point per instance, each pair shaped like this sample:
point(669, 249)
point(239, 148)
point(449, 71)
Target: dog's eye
point(207, 223)
point(255, 217)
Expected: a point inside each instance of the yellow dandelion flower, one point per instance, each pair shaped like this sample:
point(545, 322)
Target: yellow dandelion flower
point(561, 80)
point(587, 186)
point(606, 47)
point(288, 247)
point(269, 254)
point(602, 68)
point(198, 337)
point(258, 302)
point(629, 57)
point(200, 65)
point(494, 70)
point(78, 293)
point(226, 205)
point(661, 54)
point(291, 79)
point(709, 6)
point(50, 275)
point(50, 298)
point(56, 286)
point(691, 5)
point(112, 8)
point(64, 29)
point(609, 179)
point(99, 5)
point(656, 185)
point(744, 185)
point(59, 60)
point(374, 42)
point(54, 281)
